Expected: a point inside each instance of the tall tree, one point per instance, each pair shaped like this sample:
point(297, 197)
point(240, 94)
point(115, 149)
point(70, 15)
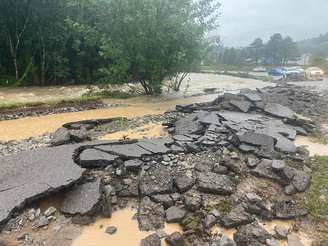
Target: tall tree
point(274, 50)
point(291, 51)
point(257, 50)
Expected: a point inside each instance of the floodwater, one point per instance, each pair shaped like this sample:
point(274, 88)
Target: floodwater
point(316, 149)
point(134, 107)
point(127, 234)
point(194, 84)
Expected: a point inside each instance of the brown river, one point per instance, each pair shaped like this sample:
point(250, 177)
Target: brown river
point(130, 108)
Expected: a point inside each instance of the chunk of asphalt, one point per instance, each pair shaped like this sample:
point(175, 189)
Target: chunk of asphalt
point(82, 199)
point(30, 175)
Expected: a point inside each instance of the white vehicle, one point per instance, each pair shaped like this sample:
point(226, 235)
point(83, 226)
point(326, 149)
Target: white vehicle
point(259, 69)
point(314, 73)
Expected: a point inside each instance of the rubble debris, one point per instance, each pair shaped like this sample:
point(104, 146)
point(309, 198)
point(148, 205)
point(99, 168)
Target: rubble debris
point(150, 215)
point(30, 175)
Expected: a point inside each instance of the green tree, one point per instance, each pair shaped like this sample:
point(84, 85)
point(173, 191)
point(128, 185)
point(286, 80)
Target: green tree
point(150, 40)
point(291, 51)
point(274, 49)
point(257, 50)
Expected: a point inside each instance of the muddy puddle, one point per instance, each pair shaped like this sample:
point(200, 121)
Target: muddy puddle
point(316, 149)
point(127, 234)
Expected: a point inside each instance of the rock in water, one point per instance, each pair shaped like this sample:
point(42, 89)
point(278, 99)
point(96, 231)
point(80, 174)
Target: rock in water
point(152, 240)
point(83, 199)
point(33, 174)
point(251, 235)
point(176, 239)
point(236, 217)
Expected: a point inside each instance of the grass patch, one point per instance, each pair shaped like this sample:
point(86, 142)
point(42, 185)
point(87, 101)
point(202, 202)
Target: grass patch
point(48, 104)
point(107, 94)
point(318, 137)
point(317, 195)
point(193, 222)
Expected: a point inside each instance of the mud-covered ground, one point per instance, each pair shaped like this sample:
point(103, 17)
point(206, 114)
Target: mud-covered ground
point(61, 231)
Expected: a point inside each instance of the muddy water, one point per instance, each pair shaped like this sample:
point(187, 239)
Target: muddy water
point(194, 84)
point(134, 107)
point(127, 234)
point(35, 126)
point(40, 94)
point(316, 149)
point(270, 225)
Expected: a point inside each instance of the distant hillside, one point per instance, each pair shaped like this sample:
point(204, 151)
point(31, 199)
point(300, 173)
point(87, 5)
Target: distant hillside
point(317, 45)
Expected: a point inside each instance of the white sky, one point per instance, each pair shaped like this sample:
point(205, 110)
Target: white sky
point(242, 21)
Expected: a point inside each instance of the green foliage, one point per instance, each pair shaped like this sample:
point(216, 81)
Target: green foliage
point(317, 195)
point(44, 42)
point(277, 51)
point(317, 46)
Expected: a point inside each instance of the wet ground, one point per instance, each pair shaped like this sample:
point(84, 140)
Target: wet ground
point(131, 108)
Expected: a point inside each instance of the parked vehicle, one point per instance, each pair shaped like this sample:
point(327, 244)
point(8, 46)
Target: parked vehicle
point(276, 72)
point(314, 73)
point(295, 73)
point(259, 69)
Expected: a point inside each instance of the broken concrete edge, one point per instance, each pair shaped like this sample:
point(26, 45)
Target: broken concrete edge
point(94, 122)
point(51, 191)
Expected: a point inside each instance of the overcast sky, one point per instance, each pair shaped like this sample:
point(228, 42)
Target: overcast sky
point(242, 21)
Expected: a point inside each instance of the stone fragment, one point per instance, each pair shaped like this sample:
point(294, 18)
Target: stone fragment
point(176, 239)
point(150, 215)
point(192, 201)
point(50, 211)
point(111, 230)
point(301, 181)
point(93, 158)
point(256, 139)
point(126, 151)
point(133, 165)
point(184, 182)
point(225, 241)
point(43, 221)
point(215, 183)
point(236, 217)
point(83, 199)
point(175, 214)
point(155, 146)
point(60, 137)
point(251, 235)
point(289, 210)
point(156, 180)
point(280, 111)
point(151, 240)
point(243, 106)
